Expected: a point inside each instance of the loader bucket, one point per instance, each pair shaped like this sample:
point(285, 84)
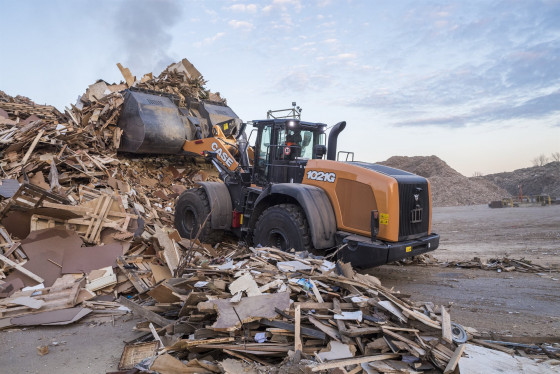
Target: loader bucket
point(152, 124)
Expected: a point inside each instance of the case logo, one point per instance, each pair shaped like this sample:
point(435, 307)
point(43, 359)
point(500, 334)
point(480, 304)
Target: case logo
point(321, 176)
point(222, 154)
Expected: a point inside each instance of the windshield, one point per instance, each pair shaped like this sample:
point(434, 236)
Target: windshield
point(300, 141)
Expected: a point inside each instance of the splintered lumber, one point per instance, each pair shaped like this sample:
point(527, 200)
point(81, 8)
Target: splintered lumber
point(340, 323)
point(309, 332)
point(184, 344)
point(352, 361)
point(333, 333)
point(308, 305)
point(298, 346)
point(32, 147)
point(21, 269)
point(446, 326)
point(391, 308)
point(421, 351)
point(172, 256)
point(452, 364)
point(145, 313)
point(63, 294)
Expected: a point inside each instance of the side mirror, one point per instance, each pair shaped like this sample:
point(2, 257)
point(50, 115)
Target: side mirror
point(319, 150)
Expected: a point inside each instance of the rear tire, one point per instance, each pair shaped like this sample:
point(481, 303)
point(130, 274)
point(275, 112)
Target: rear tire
point(283, 226)
point(192, 209)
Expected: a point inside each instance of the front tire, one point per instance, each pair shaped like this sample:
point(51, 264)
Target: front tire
point(283, 226)
point(192, 211)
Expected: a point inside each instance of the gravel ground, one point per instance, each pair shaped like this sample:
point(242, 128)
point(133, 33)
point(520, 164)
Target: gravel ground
point(511, 303)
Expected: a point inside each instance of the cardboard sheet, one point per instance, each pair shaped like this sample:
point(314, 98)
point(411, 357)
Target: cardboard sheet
point(54, 317)
point(86, 259)
point(42, 246)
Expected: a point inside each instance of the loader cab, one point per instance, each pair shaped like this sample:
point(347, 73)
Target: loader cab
point(283, 147)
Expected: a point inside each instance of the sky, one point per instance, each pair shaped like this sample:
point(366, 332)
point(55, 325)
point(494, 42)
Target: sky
point(476, 83)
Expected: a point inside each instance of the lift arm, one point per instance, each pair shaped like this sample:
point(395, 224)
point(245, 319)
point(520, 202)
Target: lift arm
point(219, 144)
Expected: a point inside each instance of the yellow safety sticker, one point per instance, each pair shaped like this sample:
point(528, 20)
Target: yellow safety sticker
point(226, 126)
point(384, 219)
point(409, 249)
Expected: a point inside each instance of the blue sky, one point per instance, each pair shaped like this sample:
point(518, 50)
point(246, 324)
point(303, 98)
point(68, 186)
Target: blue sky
point(476, 83)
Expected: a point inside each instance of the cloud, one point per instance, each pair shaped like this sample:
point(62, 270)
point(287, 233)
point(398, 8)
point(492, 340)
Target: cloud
point(450, 121)
point(244, 8)
point(210, 40)
point(345, 56)
point(301, 80)
point(142, 32)
point(240, 24)
point(283, 5)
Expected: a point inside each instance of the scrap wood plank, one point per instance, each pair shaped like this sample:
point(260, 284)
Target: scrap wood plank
point(323, 306)
point(187, 343)
point(145, 313)
point(98, 219)
point(391, 308)
point(131, 267)
point(359, 331)
point(258, 348)
point(353, 361)
point(326, 329)
point(340, 323)
point(84, 210)
point(32, 147)
point(421, 318)
point(312, 333)
point(170, 253)
point(30, 196)
point(298, 346)
point(56, 297)
point(497, 347)
point(21, 269)
point(316, 292)
point(446, 326)
point(414, 345)
point(452, 364)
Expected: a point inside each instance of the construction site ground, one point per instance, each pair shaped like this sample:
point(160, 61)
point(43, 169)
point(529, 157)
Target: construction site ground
point(504, 303)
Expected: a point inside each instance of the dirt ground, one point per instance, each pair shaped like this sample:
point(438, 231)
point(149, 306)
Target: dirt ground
point(508, 303)
point(511, 303)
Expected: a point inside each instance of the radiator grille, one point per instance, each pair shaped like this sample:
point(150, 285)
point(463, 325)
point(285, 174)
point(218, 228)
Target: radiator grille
point(414, 215)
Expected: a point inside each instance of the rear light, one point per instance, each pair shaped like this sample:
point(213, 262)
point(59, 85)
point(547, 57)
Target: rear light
point(200, 141)
point(237, 220)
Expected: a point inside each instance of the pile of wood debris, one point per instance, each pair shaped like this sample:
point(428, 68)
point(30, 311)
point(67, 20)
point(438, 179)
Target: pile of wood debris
point(267, 311)
point(70, 206)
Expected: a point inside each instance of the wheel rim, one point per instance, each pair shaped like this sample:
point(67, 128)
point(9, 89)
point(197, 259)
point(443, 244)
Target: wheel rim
point(188, 222)
point(278, 239)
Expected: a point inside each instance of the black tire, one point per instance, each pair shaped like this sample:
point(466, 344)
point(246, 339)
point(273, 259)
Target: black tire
point(191, 210)
point(283, 226)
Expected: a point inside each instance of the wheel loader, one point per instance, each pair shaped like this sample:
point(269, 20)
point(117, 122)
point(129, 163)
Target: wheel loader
point(288, 190)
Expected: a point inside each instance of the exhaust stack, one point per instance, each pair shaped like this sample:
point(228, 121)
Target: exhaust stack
point(333, 138)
